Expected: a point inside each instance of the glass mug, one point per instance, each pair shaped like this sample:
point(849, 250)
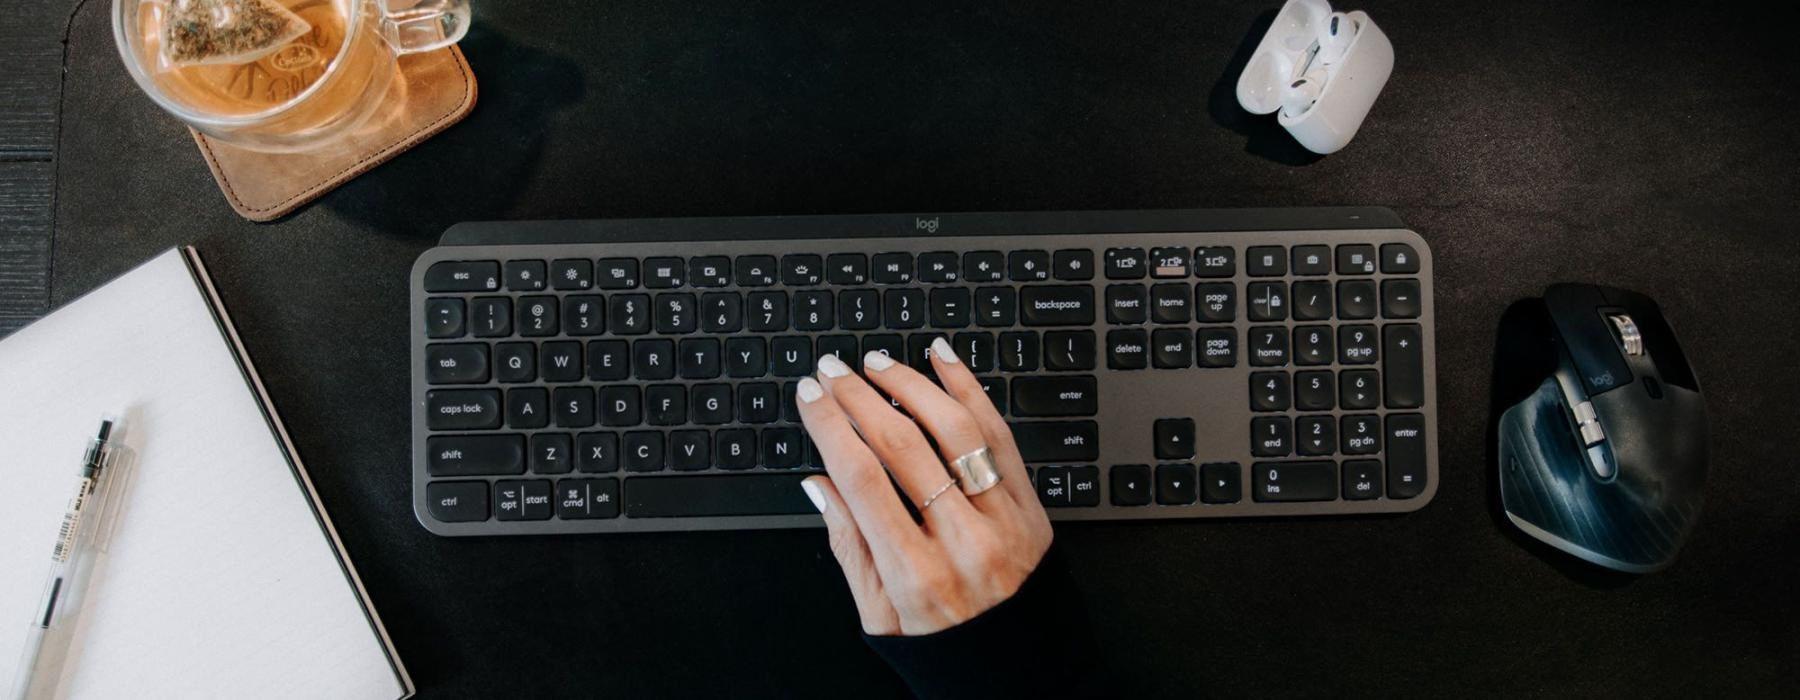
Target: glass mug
point(306, 82)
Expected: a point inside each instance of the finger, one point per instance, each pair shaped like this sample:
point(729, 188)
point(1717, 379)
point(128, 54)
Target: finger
point(948, 420)
point(962, 386)
point(857, 475)
point(853, 556)
point(897, 442)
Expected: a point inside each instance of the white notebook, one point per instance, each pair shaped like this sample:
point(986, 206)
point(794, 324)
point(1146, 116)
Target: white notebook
point(223, 577)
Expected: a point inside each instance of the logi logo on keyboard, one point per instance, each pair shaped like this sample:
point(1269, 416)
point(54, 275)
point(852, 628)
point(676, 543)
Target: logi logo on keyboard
point(927, 225)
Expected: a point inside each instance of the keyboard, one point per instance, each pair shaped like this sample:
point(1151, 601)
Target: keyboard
point(639, 375)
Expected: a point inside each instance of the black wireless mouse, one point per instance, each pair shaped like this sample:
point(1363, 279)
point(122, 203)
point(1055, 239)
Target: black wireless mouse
point(1606, 458)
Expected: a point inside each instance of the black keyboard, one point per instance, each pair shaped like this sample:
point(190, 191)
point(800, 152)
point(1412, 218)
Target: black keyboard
point(611, 376)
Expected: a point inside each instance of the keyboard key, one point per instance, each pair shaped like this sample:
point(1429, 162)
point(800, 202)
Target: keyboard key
point(583, 315)
point(1216, 347)
point(711, 404)
point(491, 317)
point(735, 449)
point(1362, 479)
point(1057, 305)
point(525, 275)
point(1220, 482)
point(1074, 265)
point(1069, 350)
point(699, 358)
point(515, 363)
point(643, 451)
point(746, 357)
point(716, 495)
point(537, 316)
point(1314, 391)
point(1126, 348)
point(1313, 345)
point(841, 346)
point(721, 312)
point(887, 344)
point(1124, 263)
point(456, 276)
point(847, 269)
point(1400, 299)
point(1268, 346)
point(893, 268)
point(584, 499)
point(445, 318)
point(574, 406)
point(552, 453)
point(1271, 436)
point(802, 270)
point(1055, 396)
point(1294, 481)
point(527, 408)
point(459, 363)
point(664, 273)
point(1084, 487)
point(791, 356)
point(1265, 261)
point(996, 307)
point(653, 359)
point(475, 455)
point(1169, 263)
point(1174, 438)
point(1215, 262)
point(522, 500)
point(1312, 260)
point(1169, 303)
point(629, 314)
point(950, 307)
point(1054, 441)
point(1358, 389)
point(1406, 455)
point(690, 450)
point(1356, 259)
point(1131, 484)
point(1127, 303)
point(597, 453)
point(608, 360)
point(860, 309)
point(1215, 302)
point(665, 404)
point(1028, 265)
point(1269, 391)
point(457, 501)
point(768, 312)
point(1403, 365)
point(1172, 348)
point(572, 274)
point(1053, 487)
point(758, 402)
point(974, 349)
point(560, 361)
point(1268, 301)
point(1316, 436)
point(1018, 351)
point(1176, 484)
point(904, 308)
point(1361, 434)
point(676, 314)
point(1356, 299)
point(938, 268)
point(1356, 345)
point(755, 270)
point(782, 448)
point(462, 409)
point(1312, 300)
point(1399, 259)
point(995, 388)
point(616, 273)
point(918, 352)
point(710, 271)
point(983, 266)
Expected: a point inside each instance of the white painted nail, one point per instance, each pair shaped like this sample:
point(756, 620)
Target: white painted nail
point(877, 361)
point(809, 390)
point(831, 366)
point(813, 492)
point(940, 349)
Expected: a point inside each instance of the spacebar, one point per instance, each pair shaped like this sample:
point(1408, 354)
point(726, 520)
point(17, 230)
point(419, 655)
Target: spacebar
point(700, 496)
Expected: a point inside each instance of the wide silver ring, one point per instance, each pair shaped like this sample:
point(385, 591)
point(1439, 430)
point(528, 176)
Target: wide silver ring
point(976, 471)
point(934, 494)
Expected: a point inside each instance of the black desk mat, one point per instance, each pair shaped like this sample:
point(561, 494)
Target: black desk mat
point(1646, 147)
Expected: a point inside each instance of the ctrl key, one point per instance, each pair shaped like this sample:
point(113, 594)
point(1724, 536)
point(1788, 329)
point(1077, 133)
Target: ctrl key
point(457, 501)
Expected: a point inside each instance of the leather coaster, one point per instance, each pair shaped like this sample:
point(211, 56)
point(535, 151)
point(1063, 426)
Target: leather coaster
point(438, 90)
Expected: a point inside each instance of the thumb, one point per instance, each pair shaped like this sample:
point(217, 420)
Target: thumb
point(852, 552)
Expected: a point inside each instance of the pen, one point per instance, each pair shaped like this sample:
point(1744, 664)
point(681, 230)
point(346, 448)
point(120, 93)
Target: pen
point(70, 563)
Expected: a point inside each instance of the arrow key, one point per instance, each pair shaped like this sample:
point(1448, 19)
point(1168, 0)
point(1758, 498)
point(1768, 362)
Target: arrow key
point(1175, 484)
point(1222, 482)
point(1131, 485)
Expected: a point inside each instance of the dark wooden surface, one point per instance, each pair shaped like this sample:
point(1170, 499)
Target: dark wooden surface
point(30, 81)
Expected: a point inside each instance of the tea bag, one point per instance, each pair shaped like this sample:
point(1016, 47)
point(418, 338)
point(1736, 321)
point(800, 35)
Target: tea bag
point(207, 32)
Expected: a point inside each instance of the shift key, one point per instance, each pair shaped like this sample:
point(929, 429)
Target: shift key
point(1403, 369)
point(475, 455)
point(1058, 441)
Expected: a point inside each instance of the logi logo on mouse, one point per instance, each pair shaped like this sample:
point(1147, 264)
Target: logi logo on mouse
point(1602, 380)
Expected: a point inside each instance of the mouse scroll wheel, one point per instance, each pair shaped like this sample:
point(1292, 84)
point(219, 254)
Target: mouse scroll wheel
point(1627, 332)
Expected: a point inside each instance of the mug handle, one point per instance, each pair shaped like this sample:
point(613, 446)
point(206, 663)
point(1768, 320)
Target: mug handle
point(412, 26)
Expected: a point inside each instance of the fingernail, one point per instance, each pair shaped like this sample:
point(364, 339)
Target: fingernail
point(833, 367)
point(809, 390)
point(877, 361)
point(813, 492)
point(940, 349)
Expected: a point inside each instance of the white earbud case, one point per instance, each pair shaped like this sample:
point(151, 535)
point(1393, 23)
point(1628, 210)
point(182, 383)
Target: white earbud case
point(1289, 57)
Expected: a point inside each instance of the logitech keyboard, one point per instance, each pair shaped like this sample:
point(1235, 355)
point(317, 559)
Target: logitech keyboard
point(633, 375)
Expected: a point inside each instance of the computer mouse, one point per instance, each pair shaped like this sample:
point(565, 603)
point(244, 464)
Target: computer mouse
point(1606, 459)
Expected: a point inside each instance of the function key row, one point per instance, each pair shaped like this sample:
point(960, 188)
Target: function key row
point(1175, 262)
point(796, 270)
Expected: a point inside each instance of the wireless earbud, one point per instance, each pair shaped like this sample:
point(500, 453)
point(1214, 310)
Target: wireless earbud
point(1318, 71)
point(1335, 38)
point(1300, 94)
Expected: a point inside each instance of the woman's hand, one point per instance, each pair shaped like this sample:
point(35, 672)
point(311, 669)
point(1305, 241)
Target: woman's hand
point(971, 552)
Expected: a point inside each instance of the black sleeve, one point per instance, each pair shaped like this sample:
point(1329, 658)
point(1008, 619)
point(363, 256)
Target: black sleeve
point(1036, 644)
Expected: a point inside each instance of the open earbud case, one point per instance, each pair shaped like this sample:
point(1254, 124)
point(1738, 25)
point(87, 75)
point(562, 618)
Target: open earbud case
point(1320, 72)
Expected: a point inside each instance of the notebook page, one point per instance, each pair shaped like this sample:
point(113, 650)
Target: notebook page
point(219, 581)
